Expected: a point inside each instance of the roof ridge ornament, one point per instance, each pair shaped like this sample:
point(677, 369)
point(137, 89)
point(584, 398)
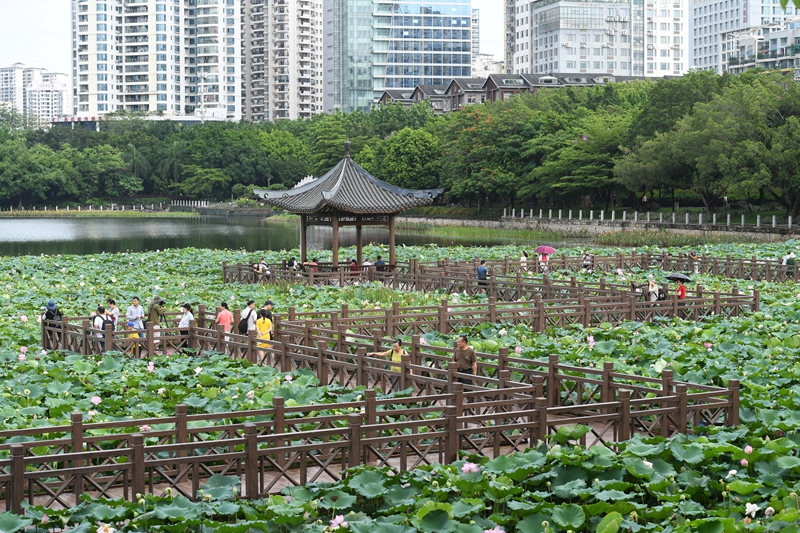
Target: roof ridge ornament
point(347, 149)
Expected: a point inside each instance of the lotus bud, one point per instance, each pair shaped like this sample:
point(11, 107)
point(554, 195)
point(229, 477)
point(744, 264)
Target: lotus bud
point(769, 511)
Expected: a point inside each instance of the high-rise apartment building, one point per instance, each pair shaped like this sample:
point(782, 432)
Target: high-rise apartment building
point(476, 33)
point(771, 46)
point(619, 38)
point(373, 45)
point(36, 92)
point(510, 25)
point(713, 20)
point(281, 59)
point(170, 57)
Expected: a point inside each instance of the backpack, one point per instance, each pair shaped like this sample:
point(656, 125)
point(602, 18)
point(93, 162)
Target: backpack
point(243, 323)
point(661, 294)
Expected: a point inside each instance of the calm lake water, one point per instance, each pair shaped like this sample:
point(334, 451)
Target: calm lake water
point(94, 235)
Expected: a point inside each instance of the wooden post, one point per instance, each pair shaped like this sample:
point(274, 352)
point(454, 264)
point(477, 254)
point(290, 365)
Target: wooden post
point(251, 471)
point(17, 488)
point(392, 257)
point(732, 416)
point(553, 385)
point(607, 393)
point(502, 359)
point(443, 315)
point(279, 427)
point(138, 466)
point(541, 418)
point(76, 436)
point(680, 392)
point(625, 415)
point(356, 448)
point(361, 376)
point(452, 441)
point(303, 239)
point(359, 245)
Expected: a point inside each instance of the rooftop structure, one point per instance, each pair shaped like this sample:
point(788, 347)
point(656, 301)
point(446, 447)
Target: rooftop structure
point(348, 195)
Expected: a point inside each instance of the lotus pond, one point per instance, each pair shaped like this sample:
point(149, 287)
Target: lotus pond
point(719, 480)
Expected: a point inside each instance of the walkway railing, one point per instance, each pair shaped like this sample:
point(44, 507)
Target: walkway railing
point(512, 404)
point(446, 273)
point(588, 305)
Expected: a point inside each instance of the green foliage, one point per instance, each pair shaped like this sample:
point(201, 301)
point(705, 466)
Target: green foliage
point(205, 182)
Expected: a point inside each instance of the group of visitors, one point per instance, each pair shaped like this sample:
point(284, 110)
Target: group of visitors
point(262, 270)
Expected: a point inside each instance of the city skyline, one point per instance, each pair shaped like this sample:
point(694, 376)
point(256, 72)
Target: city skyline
point(19, 43)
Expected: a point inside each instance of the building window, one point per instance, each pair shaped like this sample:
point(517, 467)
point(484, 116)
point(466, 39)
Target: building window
point(100, 107)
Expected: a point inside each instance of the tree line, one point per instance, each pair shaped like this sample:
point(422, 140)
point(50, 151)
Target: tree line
point(707, 136)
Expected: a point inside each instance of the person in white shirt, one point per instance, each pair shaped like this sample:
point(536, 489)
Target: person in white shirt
point(135, 313)
point(185, 322)
point(250, 313)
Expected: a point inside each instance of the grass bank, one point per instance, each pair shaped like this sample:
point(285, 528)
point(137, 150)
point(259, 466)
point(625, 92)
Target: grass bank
point(63, 213)
point(478, 232)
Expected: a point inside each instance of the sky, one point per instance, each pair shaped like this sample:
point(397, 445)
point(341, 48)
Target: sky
point(37, 32)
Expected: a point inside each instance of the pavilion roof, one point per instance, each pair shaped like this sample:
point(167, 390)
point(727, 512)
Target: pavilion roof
point(348, 187)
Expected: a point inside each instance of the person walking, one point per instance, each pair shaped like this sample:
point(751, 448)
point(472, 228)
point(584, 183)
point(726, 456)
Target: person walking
point(483, 276)
point(523, 262)
point(99, 321)
point(135, 313)
point(587, 261)
point(681, 291)
point(465, 359)
point(224, 317)
point(395, 353)
point(249, 315)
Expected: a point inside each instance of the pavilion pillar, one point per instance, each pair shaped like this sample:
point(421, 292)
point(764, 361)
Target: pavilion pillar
point(392, 258)
point(303, 238)
point(359, 245)
point(335, 244)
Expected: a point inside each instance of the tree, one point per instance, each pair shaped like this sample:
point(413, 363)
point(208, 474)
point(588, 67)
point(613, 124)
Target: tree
point(138, 165)
point(412, 160)
point(484, 150)
point(171, 165)
point(326, 137)
point(584, 163)
point(28, 176)
point(205, 183)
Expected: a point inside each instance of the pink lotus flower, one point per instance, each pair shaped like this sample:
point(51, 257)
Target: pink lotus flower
point(337, 522)
point(151, 366)
point(250, 395)
point(470, 468)
point(145, 428)
point(45, 519)
point(707, 346)
point(748, 449)
point(21, 357)
point(288, 378)
point(96, 400)
point(23, 349)
point(423, 341)
point(518, 349)
point(44, 352)
point(744, 462)
point(590, 340)
point(497, 529)
point(24, 318)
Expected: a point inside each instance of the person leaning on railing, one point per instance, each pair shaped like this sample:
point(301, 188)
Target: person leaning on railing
point(396, 352)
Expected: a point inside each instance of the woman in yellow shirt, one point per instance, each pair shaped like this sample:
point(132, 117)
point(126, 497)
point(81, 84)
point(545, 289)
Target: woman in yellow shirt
point(396, 352)
point(263, 330)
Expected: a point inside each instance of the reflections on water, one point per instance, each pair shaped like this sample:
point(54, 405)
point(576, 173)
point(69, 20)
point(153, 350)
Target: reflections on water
point(96, 235)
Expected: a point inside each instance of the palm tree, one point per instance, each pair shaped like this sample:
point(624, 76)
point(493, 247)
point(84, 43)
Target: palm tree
point(171, 166)
point(138, 164)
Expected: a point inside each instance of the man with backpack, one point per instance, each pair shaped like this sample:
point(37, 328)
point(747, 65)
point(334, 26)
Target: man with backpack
point(248, 321)
point(100, 321)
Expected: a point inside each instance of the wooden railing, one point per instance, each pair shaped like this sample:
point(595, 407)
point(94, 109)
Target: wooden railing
point(400, 275)
point(512, 404)
point(579, 304)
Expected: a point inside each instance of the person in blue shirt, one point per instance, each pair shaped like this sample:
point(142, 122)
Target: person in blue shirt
point(483, 274)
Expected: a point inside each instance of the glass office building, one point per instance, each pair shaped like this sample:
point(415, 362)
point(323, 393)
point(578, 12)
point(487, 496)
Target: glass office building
point(372, 45)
